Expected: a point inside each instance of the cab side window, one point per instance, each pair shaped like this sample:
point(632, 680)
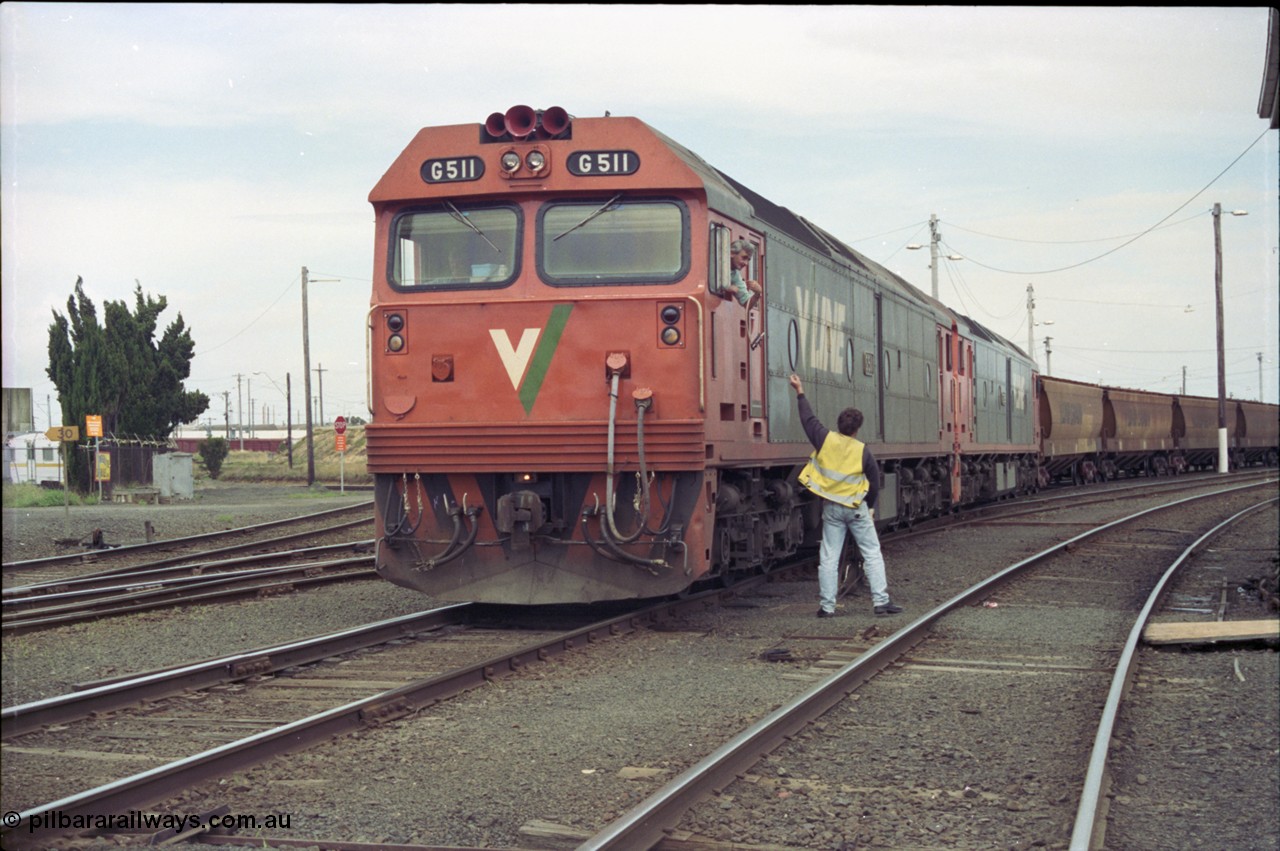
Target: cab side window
point(718, 262)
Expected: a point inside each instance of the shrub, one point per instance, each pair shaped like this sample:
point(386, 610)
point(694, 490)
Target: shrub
point(214, 452)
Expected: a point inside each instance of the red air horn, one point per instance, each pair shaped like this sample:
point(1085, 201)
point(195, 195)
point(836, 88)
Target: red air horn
point(495, 125)
point(520, 121)
point(554, 121)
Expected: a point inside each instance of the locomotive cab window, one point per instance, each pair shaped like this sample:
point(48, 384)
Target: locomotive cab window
point(451, 247)
point(718, 259)
point(612, 241)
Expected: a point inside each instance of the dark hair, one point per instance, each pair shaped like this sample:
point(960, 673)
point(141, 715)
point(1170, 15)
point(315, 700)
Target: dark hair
point(849, 421)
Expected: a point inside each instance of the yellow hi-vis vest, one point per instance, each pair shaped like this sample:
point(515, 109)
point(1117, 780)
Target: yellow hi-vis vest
point(834, 472)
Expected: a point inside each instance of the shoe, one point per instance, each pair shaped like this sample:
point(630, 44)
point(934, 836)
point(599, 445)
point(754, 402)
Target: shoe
point(888, 609)
point(823, 613)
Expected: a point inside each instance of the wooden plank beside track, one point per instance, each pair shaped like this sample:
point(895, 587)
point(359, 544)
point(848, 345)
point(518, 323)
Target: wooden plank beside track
point(1205, 632)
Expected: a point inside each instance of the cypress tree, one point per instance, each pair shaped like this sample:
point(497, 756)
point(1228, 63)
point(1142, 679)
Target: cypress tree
point(118, 370)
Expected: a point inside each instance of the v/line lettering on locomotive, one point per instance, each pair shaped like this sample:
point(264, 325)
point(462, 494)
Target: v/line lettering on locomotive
point(567, 407)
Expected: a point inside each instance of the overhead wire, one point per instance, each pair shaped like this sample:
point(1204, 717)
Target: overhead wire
point(1130, 240)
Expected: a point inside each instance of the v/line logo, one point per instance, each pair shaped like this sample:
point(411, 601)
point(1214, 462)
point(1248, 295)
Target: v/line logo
point(527, 361)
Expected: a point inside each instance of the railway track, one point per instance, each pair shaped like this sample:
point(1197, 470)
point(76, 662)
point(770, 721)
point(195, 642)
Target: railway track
point(193, 572)
point(1077, 626)
point(626, 625)
point(200, 577)
point(224, 543)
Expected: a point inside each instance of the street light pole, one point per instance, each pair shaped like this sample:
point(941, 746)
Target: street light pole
point(933, 252)
point(1222, 354)
point(934, 238)
point(306, 372)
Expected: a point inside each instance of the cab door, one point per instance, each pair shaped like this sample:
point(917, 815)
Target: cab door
point(756, 362)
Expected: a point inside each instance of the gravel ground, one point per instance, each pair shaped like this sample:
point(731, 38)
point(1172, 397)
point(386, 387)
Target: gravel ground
point(31, 533)
point(558, 742)
point(47, 663)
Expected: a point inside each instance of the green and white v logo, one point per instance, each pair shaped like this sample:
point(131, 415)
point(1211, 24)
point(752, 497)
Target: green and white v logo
point(527, 362)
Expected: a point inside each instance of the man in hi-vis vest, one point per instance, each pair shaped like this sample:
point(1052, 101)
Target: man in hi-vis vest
point(843, 472)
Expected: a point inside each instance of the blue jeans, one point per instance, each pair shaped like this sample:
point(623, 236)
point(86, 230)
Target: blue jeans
point(836, 519)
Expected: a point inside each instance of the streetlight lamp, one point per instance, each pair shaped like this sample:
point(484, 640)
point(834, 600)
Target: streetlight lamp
point(934, 237)
point(1222, 356)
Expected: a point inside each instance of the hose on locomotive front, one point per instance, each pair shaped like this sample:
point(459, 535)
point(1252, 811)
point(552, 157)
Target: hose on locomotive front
point(458, 544)
point(400, 526)
point(642, 403)
point(611, 538)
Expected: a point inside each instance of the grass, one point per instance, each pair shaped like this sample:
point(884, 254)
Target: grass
point(34, 496)
point(264, 467)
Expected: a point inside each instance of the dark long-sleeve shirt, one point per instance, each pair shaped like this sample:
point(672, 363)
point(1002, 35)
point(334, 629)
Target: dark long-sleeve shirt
point(817, 434)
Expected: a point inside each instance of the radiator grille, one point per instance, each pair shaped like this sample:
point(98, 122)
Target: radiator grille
point(536, 447)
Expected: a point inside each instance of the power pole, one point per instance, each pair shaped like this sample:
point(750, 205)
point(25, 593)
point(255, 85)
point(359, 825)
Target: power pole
point(288, 413)
point(1222, 359)
point(1031, 321)
point(1048, 353)
point(306, 374)
point(320, 371)
point(239, 412)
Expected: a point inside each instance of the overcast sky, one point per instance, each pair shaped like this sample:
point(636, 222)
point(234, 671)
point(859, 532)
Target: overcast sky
point(212, 151)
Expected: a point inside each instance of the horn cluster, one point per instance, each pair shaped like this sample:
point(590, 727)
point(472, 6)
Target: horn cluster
point(520, 123)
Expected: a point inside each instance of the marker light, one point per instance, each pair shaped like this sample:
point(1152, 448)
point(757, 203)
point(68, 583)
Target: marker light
point(395, 323)
point(670, 315)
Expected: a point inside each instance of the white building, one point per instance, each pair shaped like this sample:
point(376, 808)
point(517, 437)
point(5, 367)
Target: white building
point(32, 458)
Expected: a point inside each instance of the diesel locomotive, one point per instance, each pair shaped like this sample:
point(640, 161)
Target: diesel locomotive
point(567, 406)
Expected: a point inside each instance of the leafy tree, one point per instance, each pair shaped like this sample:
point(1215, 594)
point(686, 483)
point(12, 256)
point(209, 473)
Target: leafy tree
point(119, 370)
point(214, 452)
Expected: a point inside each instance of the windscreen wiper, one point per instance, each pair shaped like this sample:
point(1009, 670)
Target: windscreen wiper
point(607, 205)
point(457, 214)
